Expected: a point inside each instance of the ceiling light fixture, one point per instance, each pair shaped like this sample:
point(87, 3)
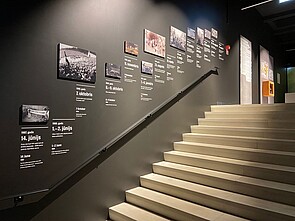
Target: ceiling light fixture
point(261, 3)
point(282, 1)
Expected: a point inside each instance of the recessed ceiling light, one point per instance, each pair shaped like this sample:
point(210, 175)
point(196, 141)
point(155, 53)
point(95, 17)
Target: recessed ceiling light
point(282, 1)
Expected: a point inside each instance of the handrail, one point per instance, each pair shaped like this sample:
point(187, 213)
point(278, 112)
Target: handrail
point(108, 149)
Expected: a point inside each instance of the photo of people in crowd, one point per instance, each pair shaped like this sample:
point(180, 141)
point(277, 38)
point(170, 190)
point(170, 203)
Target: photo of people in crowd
point(34, 113)
point(154, 43)
point(214, 33)
point(130, 48)
point(76, 64)
point(207, 34)
point(177, 38)
point(113, 71)
point(200, 36)
point(191, 33)
point(147, 67)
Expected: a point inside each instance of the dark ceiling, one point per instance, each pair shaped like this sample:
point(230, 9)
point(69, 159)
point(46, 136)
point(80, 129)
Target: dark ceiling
point(281, 18)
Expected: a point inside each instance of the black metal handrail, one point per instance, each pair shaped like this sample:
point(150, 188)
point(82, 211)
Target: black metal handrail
point(107, 150)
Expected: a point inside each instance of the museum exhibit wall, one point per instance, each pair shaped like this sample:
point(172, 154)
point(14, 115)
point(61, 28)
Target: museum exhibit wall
point(81, 113)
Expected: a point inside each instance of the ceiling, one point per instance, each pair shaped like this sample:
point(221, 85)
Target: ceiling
point(281, 18)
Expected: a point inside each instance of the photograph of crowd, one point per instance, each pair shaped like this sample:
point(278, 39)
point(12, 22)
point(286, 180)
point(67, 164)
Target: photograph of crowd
point(130, 48)
point(207, 34)
point(76, 64)
point(214, 33)
point(154, 43)
point(34, 114)
point(191, 33)
point(147, 67)
point(113, 71)
point(177, 38)
point(200, 36)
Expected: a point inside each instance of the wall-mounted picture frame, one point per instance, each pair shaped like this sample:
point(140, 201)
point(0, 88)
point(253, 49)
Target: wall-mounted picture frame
point(154, 43)
point(191, 33)
point(200, 36)
point(113, 71)
point(207, 34)
point(76, 64)
point(130, 48)
point(177, 38)
point(34, 114)
point(214, 33)
point(147, 67)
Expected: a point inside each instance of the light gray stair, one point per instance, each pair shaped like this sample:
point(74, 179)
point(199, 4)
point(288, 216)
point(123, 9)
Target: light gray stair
point(253, 208)
point(240, 153)
point(253, 107)
point(265, 123)
point(269, 115)
point(242, 141)
point(128, 212)
point(174, 208)
point(275, 133)
point(263, 189)
point(271, 172)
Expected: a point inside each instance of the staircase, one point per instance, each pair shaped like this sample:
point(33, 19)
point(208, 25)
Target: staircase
point(237, 164)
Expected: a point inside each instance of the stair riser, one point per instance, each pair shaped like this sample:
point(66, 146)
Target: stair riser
point(242, 142)
point(160, 209)
point(244, 133)
point(254, 115)
point(253, 108)
point(246, 123)
point(238, 154)
point(246, 170)
point(118, 217)
point(214, 202)
point(267, 193)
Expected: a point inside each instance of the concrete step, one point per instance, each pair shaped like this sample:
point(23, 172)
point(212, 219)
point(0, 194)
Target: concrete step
point(264, 171)
point(128, 212)
point(263, 189)
point(174, 208)
point(264, 123)
point(253, 107)
point(276, 133)
point(245, 206)
point(279, 115)
point(240, 141)
point(241, 153)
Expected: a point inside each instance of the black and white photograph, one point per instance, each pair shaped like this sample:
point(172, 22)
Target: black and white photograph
point(214, 33)
point(147, 67)
point(207, 34)
point(130, 48)
point(177, 38)
point(200, 36)
point(76, 64)
point(191, 33)
point(113, 71)
point(34, 114)
point(154, 43)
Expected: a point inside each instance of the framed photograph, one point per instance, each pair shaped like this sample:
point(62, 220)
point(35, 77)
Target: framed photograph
point(177, 38)
point(113, 71)
point(154, 43)
point(130, 48)
point(214, 33)
point(200, 36)
point(34, 114)
point(207, 34)
point(147, 67)
point(191, 33)
point(76, 64)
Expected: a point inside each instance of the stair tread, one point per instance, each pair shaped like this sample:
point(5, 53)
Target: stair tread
point(181, 205)
point(222, 194)
point(239, 137)
point(247, 119)
point(233, 161)
point(263, 129)
point(228, 176)
point(133, 213)
point(245, 149)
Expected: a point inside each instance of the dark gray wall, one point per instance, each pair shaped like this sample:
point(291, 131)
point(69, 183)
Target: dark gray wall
point(31, 32)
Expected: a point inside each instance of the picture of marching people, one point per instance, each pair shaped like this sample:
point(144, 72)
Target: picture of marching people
point(177, 38)
point(154, 43)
